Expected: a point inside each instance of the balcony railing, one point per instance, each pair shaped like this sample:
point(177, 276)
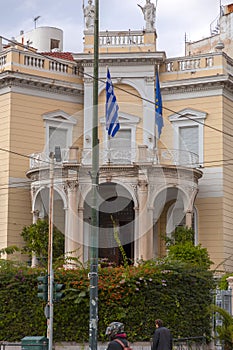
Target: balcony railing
point(34, 61)
point(126, 38)
point(191, 63)
point(164, 157)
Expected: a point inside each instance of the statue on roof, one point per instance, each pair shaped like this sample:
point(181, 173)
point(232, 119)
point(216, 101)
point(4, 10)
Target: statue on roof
point(89, 15)
point(149, 14)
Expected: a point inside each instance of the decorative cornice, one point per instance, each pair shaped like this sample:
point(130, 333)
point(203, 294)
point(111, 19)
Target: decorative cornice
point(16, 79)
point(197, 85)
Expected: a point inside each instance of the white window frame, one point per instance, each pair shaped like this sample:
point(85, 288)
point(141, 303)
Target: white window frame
point(187, 118)
point(62, 120)
point(127, 122)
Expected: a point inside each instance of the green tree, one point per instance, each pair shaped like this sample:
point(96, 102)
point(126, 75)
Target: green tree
point(181, 248)
point(36, 241)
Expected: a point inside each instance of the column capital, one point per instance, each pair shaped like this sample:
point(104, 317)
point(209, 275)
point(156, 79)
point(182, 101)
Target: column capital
point(71, 185)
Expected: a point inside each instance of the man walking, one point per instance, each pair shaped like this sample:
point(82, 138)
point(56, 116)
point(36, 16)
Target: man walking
point(162, 339)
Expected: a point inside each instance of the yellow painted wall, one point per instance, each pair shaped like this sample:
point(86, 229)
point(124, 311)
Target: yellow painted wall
point(4, 169)
point(228, 182)
point(27, 135)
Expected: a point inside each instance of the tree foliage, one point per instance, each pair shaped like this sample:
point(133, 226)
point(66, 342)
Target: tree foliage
point(36, 241)
point(181, 248)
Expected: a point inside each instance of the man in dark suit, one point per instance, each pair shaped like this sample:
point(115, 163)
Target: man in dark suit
point(162, 339)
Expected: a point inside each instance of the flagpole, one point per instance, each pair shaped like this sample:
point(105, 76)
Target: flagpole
point(109, 151)
point(94, 239)
point(156, 132)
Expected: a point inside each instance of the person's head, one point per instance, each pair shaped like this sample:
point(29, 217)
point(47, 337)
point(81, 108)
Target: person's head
point(158, 323)
point(113, 329)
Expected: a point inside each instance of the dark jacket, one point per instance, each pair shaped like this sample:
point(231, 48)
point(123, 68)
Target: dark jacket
point(113, 345)
point(162, 339)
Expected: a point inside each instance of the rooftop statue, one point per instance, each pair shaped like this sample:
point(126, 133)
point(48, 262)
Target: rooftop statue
point(149, 14)
point(89, 15)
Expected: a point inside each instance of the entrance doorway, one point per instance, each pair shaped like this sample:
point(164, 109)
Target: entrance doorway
point(116, 223)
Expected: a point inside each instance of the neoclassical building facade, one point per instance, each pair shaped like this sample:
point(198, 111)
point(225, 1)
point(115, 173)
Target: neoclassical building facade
point(147, 186)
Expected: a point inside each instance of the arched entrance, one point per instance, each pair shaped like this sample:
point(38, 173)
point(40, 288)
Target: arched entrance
point(116, 222)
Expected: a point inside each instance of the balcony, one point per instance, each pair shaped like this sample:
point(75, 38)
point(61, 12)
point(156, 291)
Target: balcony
point(141, 155)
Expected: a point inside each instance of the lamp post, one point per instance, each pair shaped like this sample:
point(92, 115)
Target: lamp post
point(94, 239)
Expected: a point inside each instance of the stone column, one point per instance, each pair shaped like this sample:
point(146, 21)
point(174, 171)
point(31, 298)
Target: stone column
point(80, 240)
point(145, 241)
point(136, 235)
point(188, 218)
point(71, 234)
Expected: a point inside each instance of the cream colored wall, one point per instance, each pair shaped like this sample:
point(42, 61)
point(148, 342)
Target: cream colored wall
point(212, 211)
point(27, 135)
point(228, 183)
point(27, 131)
point(213, 149)
point(210, 227)
point(4, 170)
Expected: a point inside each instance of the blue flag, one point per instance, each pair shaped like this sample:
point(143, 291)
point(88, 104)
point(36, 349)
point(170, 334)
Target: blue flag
point(112, 120)
point(158, 106)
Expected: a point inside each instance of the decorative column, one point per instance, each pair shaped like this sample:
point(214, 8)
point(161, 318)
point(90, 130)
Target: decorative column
point(188, 218)
point(149, 112)
point(189, 208)
point(145, 224)
point(80, 238)
point(71, 234)
point(136, 235)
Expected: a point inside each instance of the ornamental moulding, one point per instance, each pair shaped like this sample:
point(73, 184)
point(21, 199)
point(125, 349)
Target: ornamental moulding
point(197, 87)
point(40, 86)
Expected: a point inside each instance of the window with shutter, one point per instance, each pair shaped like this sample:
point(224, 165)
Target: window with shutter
point(188, 134)
point(189, 139)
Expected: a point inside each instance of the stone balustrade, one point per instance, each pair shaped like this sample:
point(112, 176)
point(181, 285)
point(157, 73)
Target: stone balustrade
point(190, 63)
point(27, 59)
point(126, 38)
point(141, 155)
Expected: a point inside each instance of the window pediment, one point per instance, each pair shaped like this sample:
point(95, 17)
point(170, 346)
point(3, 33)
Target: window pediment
point(187, 114)
point(59, 116)
point(124, 118)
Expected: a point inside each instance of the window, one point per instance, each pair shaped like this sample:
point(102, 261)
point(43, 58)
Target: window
point(122, 147)
point(54, 44)
point(188, 126)
point(59, 130)
point(57, 137)
point(189, 138)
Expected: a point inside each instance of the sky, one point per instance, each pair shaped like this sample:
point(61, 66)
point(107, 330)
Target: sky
point(174, 18)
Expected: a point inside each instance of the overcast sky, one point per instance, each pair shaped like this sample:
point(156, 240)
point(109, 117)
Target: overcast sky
point(174, 18)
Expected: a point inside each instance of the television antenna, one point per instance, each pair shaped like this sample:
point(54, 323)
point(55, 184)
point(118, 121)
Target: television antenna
point(35, 19)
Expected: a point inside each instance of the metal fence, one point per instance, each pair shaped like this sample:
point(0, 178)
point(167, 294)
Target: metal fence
point(192, 343)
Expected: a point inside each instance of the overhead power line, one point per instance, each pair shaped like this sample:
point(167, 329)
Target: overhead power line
point(55, 59)
point(120, 89)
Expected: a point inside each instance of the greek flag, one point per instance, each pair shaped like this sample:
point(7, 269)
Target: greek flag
point(112, 121)
point(158, 106)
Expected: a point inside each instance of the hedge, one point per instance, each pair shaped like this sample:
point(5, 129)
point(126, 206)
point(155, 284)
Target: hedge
point(177, 293)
